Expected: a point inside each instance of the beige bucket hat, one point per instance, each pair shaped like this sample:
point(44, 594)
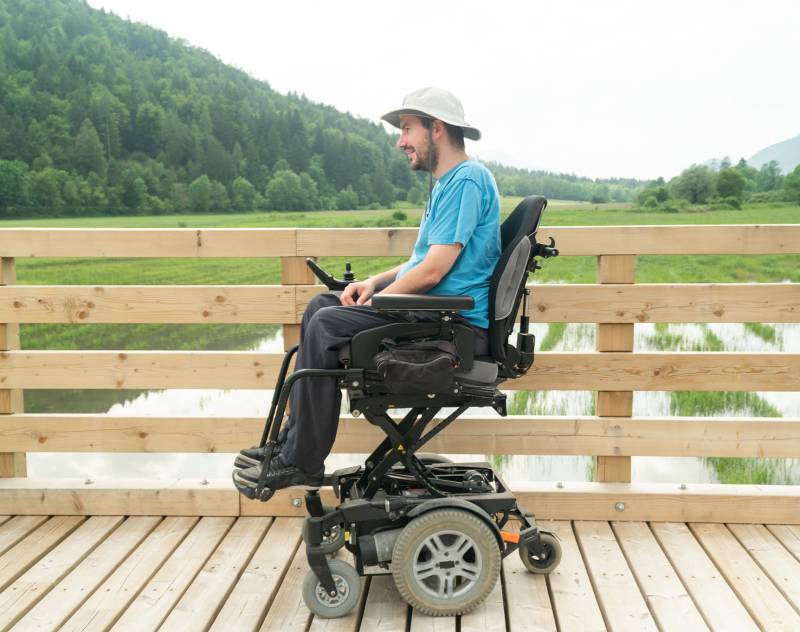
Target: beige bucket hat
point(434, 103)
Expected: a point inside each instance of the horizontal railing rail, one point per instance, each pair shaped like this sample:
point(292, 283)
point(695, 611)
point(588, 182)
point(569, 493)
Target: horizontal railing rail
point(615, 370)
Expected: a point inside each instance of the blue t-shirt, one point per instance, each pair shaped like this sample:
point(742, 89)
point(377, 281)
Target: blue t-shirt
point(465, 209)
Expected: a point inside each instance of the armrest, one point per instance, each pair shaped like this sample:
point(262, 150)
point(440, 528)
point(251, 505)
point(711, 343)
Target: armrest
point(404, 302)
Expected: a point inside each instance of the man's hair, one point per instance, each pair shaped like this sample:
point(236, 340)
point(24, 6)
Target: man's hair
point(454, 132)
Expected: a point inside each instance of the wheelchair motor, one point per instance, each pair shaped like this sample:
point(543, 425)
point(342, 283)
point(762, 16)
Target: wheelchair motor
point(441, 529)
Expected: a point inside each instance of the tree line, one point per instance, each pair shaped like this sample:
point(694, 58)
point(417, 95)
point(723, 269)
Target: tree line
point(726, 187)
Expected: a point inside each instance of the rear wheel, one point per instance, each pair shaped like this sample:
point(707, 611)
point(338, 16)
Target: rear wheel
point(446, 562)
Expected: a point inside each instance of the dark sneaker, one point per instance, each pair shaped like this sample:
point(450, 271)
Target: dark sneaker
point(250, 457)
point(279, 476)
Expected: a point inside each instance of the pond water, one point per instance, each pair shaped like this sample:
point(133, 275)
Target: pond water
point(515, 469)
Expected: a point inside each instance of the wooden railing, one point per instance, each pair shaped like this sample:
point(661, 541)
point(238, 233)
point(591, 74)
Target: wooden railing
point(614, 371)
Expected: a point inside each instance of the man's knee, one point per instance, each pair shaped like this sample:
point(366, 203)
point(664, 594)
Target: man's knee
point(321, 301)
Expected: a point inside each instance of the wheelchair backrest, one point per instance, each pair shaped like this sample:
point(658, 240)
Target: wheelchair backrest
point(517, 237)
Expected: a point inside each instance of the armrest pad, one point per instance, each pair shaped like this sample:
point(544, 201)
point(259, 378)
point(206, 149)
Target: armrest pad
point(403, 302)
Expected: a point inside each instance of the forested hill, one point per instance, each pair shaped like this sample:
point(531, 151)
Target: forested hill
point(101, 115)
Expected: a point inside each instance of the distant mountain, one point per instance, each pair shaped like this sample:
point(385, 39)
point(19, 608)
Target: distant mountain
point(786, 153)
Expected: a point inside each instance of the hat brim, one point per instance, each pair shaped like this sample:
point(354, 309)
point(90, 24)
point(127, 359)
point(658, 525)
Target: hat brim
point(393, 119)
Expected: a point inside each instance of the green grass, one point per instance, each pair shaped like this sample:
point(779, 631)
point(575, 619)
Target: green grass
point(766, 332)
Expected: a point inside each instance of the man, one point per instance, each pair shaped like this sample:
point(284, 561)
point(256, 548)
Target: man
point(455, 254)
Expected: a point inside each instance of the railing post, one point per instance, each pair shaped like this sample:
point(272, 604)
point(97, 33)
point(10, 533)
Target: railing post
point(294, 271)
point(615, 337)
point(12, 464)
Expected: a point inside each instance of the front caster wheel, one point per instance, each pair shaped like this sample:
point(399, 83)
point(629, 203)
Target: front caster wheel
point(348, 590)
point(547, 560)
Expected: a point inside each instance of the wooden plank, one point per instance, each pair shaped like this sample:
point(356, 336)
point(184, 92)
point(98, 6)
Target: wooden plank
point(788, 535)
point(569, 501)
point(574, 602)
point(576, 435)
point(288, 613)
point(253, 594)
point(127, 497)
point(252, 370)
point(12, 464)
point(665, 303)
point(16, 528)
point(202, 601)
point(527, 602)
point(713, 597)
point(384, 608)
point(666, 596)
point(85, 304)
point(147, 242)
point(28, 551)
point(100, 611)
point(421, 622)
point(138, 369)
point(162, 592)
point(617, 593)
point(779, 565)
point(575, 240)
point(489, 616)
point(37, 581)
point(758, 594)
point(81, 582)
point(276, 242)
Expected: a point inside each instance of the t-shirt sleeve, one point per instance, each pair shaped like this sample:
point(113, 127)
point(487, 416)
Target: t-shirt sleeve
point(459, 215)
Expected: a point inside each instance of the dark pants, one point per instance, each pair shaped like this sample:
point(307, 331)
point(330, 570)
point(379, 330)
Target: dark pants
point(315, 402)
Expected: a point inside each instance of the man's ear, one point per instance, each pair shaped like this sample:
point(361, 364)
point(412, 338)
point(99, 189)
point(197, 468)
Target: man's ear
point(437, 128)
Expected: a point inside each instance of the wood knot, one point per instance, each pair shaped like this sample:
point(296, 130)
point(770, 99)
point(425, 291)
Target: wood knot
point(206, 313)
point(90, 305)
point(17, 304)
point(541, 307)
point(120, 383)
point(82, 314)
point(42, 439)
point(260, 374)
point(220, 299)
point(123, 356)
point(143, 435)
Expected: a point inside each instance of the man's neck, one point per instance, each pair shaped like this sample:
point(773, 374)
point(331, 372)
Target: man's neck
point(447, 160)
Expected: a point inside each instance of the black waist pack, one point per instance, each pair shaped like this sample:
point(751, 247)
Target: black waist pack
point(425, 366)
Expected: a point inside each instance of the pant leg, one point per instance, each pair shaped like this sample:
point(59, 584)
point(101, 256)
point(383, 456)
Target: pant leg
point(316, 402)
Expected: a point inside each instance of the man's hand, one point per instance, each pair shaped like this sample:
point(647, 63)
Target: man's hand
point(358, 293)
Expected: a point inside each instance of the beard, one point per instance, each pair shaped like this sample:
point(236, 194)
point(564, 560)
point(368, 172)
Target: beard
point(427, 161)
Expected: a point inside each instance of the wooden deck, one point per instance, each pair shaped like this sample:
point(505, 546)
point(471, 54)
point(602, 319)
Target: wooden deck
point(218, 573)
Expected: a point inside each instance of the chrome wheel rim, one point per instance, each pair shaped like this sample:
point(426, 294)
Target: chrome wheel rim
point(447, 564)
point(342, 590)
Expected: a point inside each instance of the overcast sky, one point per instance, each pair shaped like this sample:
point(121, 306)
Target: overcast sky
point(615, 88)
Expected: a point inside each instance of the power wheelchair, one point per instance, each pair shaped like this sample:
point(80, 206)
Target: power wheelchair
point(436, 526)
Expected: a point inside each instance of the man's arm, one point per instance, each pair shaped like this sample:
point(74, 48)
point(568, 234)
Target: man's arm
point(430, 271)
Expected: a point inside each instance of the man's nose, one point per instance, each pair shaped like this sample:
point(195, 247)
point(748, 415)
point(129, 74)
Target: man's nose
point(400, 143)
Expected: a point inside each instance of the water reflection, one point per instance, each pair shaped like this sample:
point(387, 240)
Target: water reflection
point(515, 469)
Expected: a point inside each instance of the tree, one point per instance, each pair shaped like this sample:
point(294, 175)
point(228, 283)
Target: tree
point(244, 194)
point(791, 185)
point(88, 151)
point(13, 184)
point(769, 176)
point(286, 192)
point(731, 183)
point(696, 184)
point(200, 194)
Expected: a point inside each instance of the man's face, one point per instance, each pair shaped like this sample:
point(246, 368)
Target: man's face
point(415, 142)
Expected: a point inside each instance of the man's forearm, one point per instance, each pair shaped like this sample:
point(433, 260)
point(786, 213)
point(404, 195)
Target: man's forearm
point(418, 280)
point(385, 278)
